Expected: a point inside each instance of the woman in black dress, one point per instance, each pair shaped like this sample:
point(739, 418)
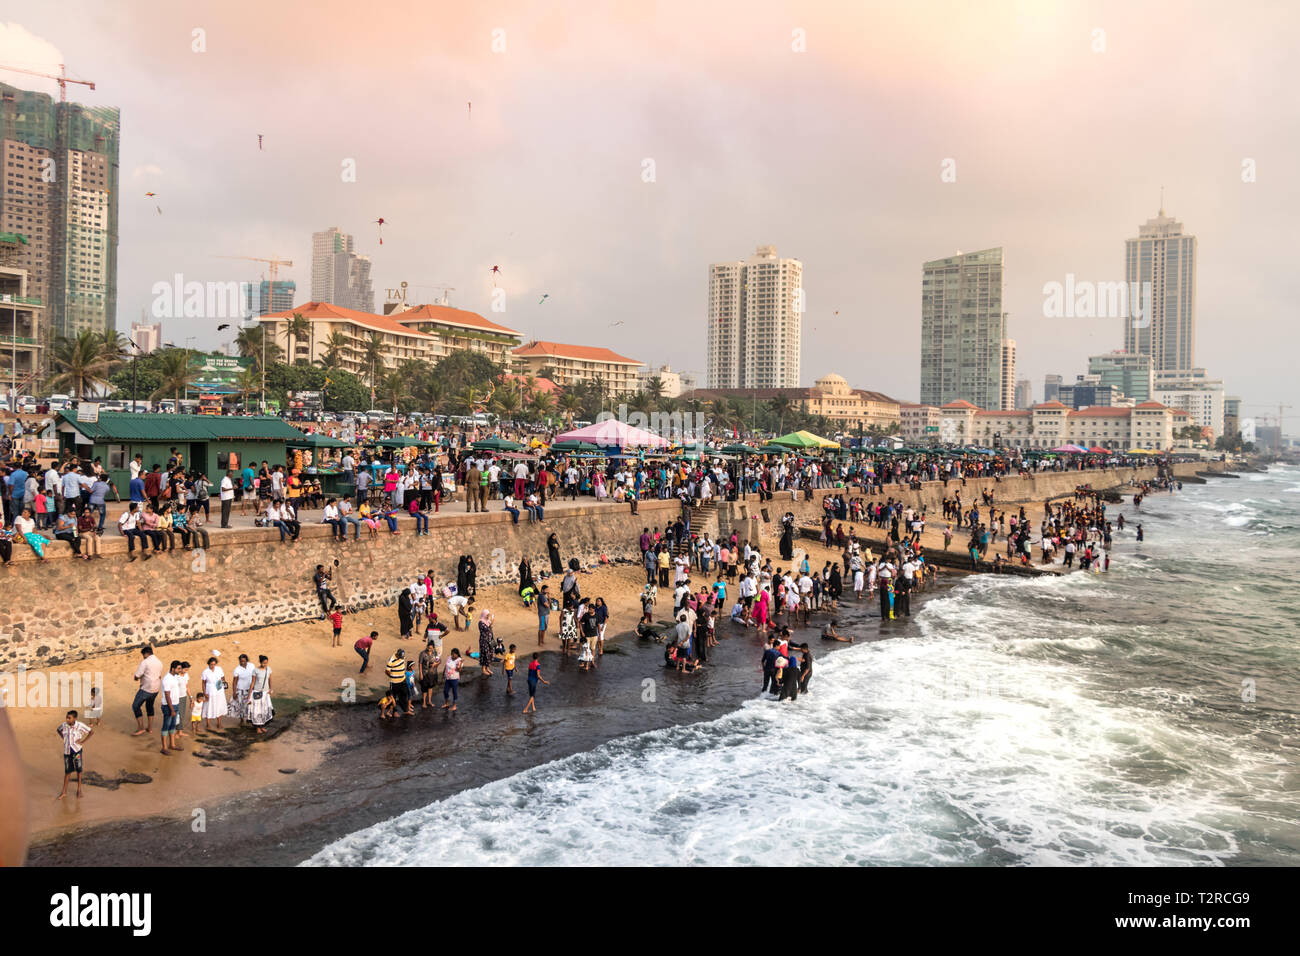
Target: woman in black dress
point(471, 576)
point(404, 612)
point(553, 548)
point(462, 581)
point(526, 576)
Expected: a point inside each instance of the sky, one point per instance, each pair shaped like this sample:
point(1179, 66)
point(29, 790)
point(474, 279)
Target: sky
point(824, 129)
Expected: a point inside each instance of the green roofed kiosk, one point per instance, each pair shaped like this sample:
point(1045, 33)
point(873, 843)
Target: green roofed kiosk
point(207, 442)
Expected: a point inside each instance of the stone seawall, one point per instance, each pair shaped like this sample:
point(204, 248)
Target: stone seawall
point(67, 610)
point(746, 517)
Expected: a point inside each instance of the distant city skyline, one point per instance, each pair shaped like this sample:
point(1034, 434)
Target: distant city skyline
point(860, 203)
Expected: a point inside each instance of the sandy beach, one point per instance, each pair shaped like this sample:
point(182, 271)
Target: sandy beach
point(308, 673)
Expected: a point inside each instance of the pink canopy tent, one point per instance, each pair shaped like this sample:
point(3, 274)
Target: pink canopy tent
point(614, 432)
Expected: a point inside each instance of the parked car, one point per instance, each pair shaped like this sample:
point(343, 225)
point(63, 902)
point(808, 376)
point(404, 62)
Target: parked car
point(59, 401)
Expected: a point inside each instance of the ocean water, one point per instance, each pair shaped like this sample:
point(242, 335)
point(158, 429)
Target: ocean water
point(1144, 716)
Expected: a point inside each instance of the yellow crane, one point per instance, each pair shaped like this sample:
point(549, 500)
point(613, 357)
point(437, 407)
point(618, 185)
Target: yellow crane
point(61, 78)
point(273, 270)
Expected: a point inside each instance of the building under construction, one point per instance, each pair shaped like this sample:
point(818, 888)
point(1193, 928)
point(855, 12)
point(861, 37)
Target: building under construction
point(60, 195)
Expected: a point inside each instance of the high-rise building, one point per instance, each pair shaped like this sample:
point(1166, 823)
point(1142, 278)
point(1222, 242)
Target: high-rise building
point(147, 338)
point(755, 312)
point(338, 274)
point(1129, 373)
point(60, 192)
point(1163, 259)
point(962, 329)
point(1052, 387)
point(1008, 374)
point(260, 300)
point(1024, 393)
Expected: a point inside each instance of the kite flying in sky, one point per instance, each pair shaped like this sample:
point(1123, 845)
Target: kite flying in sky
point(259, 140)
point(150, 196)
point(380, 223)
point(544, 297)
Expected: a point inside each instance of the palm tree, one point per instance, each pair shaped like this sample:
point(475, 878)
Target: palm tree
point(252, 340)
point(79, 362)
point(373, 355)
point(542, 404)
point(336, 348)
point(780, 407)
point(570, 404)
point(113, 347)
point(655, 387)
point(249, 381)
point(177, 372)
point(507, 402)
point(469, 399)
point(294, 330)
point(393, 390)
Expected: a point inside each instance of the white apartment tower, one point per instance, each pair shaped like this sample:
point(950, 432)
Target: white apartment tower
point(1165, 257)
point(755, 313)
point(1008, 374)
point(338, 275)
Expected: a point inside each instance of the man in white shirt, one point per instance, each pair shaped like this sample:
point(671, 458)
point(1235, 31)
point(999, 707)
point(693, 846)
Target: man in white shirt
point(171, 699)
point(459, 605)
point(149, 674)
point(521, 479)
point(227, 497)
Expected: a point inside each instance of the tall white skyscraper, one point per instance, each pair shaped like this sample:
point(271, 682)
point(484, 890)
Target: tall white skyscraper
point(962, 329)
point(338, 275)
point(1008, 374)
point(1165, 257)
point(755, 315)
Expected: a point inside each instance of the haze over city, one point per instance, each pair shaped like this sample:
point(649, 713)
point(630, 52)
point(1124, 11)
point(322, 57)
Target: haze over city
point(834, 155)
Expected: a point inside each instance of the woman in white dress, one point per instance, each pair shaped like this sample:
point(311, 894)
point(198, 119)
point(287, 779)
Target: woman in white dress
point(214, 687)
point(260, 710)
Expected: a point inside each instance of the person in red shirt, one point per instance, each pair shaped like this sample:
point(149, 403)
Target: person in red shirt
point(336, 618)
point(534, 675)
point(362, 647)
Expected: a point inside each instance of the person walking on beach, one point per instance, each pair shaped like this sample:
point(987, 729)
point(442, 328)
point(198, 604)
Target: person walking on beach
point(487, 642)
point(451, 681)
point(260, 708)
point(149, 674)
point(534, 675)
point(508, 665)
point(213, 679)
point(543, 613)
point(427, 665)
point(74, 734)
point(396, 670)
point(171, 716)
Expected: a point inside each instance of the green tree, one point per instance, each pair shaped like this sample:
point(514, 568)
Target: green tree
point(373, 357)
point(336, 348)
point(248, 381)
point(463, 368)
point(542, 404)
point(250, 343)
point(295, 330)
point(393, 391)
point(570, 404)
point(177, 372)
point(79, 364)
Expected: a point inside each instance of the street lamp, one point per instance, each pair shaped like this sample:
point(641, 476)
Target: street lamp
point(135, 357)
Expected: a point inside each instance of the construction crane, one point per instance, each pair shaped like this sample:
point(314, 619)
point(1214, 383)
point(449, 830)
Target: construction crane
point(273, 264)
point(61, 78)
point(437, 287)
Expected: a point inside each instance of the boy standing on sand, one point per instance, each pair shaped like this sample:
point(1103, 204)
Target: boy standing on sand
point(534, 675)
point(336, 619)
point(510, 671)
point(74, 734)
